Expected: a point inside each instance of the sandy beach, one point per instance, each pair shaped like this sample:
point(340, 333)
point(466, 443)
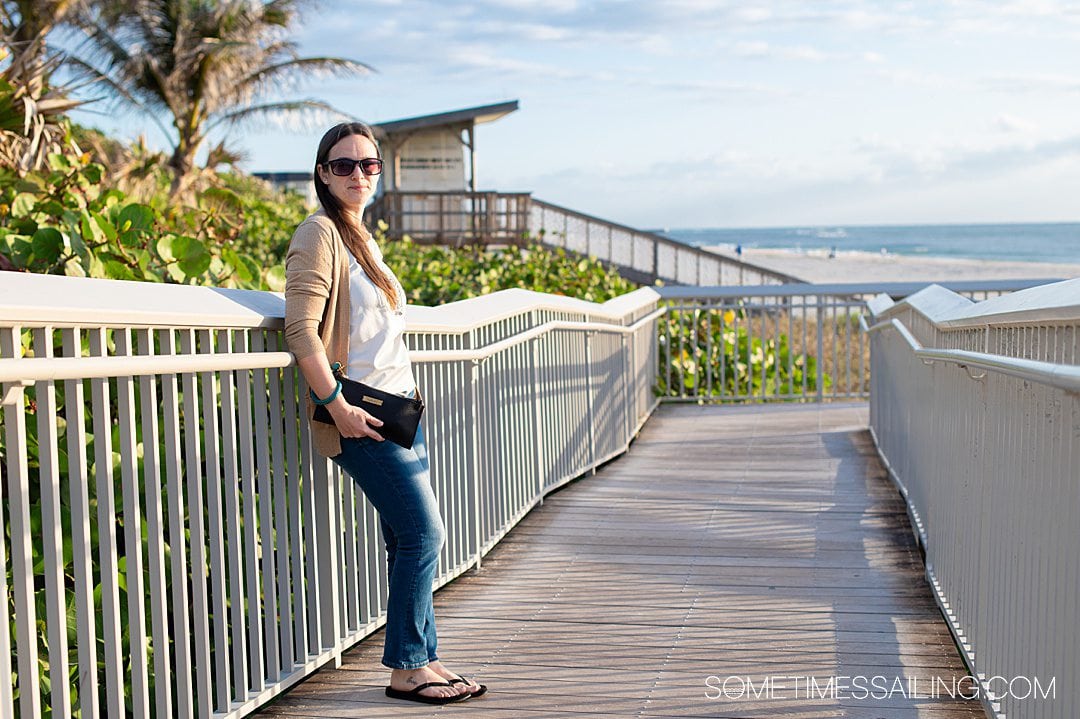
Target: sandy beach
point(817, 266)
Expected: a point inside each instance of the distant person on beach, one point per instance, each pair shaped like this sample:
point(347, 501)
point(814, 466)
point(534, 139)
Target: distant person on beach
point(344, 306)
point(738, 250)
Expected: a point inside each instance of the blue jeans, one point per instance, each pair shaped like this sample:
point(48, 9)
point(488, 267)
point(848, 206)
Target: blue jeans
point(395, 480)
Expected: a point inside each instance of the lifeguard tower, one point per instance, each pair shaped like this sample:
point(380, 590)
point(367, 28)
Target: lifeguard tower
point(430, 189)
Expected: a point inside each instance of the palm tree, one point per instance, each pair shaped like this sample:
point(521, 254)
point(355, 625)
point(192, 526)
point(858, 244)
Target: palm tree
point(206, 64)
point(25, 24)
point(31, 105)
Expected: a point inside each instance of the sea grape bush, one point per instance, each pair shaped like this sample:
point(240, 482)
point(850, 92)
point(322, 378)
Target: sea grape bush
point(713, 355)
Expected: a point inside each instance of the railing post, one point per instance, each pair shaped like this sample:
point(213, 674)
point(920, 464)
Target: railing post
point(474, 438)
point(52, 533)
point(7, 707)
point(627, 379)
point(22, 561)
point(327, 537)
point(525, 214)
point(589, 400)
point(440, 216)
point(130, 501)
point(155, 526)
point(178, 508)
point(106, 511)
point(82, 548)
point(820, 363)
point(534, 354)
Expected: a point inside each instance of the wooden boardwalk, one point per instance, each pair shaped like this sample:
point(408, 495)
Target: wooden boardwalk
point(760, 543)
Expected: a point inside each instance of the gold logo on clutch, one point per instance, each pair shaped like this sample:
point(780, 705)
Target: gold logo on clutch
point(371, 400)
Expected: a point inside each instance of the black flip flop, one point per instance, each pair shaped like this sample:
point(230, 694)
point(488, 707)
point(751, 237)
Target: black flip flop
point(478, 693)
point(414, 695)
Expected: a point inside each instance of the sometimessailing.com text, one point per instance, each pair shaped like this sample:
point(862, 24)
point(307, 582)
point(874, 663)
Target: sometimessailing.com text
point(876, 687)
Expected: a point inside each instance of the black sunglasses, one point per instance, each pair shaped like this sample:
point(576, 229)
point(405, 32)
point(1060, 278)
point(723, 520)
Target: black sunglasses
point(344, 166)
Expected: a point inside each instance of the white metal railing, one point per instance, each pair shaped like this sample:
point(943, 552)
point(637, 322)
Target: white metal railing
point(170, 545)
point(776, 342)
point(642, 256)
point(975, 408)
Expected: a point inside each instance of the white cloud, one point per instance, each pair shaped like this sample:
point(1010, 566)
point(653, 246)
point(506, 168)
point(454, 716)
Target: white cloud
point(763, 50)
point(463, 59)
point(559, 6)
point(1013, 124)
point(917, 78)
point(1035, 82)
point(532, 31)
point(710, 89)
point(895, 161)
point(751, 49)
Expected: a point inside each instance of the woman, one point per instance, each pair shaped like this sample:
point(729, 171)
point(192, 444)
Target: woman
point(343, 304)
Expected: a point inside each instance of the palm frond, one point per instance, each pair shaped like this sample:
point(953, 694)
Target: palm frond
point(289, 75)
point(222, 155)
point(322, 66)
point(293, 114)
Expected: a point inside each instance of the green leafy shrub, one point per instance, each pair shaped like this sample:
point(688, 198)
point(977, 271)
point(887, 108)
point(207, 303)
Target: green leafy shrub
point(67, 220)
point(725, 354)
point(436, 274)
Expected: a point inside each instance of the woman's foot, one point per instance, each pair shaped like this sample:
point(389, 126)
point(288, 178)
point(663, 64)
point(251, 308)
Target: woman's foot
point(407, 680)
point(466, 686)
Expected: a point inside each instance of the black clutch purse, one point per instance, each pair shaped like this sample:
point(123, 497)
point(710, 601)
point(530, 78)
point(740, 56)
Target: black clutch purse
point(400, 415)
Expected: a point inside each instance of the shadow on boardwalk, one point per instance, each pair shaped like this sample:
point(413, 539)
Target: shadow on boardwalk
point(756, 543)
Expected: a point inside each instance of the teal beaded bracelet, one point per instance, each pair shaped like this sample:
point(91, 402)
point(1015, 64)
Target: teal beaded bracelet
point(328, 400)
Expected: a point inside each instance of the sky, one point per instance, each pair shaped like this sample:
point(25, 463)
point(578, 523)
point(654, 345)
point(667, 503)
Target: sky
point(717, 113)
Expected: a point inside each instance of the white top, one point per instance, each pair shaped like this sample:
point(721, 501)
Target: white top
point(377, 352)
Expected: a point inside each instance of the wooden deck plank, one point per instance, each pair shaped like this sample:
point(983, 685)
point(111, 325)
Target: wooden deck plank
point(748, 542)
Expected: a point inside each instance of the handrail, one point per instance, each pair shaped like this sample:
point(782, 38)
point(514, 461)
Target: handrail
point(482, 353)
point(463, 316)
point(1066, 377)
point(45, 369)
point(892, 324)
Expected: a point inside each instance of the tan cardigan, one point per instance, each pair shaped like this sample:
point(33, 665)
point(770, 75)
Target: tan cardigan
point(317, 306)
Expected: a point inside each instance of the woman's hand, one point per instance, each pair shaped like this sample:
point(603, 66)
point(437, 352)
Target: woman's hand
point(352, 421)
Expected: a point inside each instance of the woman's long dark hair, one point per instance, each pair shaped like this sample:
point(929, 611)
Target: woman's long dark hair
point(354, 234)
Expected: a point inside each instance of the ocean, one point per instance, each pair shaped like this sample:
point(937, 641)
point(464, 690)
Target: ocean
point(1034, 242)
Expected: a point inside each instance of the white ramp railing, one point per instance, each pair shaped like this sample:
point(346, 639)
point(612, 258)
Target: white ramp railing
point(169, 544)
point(976, 410)
point(641, 256)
